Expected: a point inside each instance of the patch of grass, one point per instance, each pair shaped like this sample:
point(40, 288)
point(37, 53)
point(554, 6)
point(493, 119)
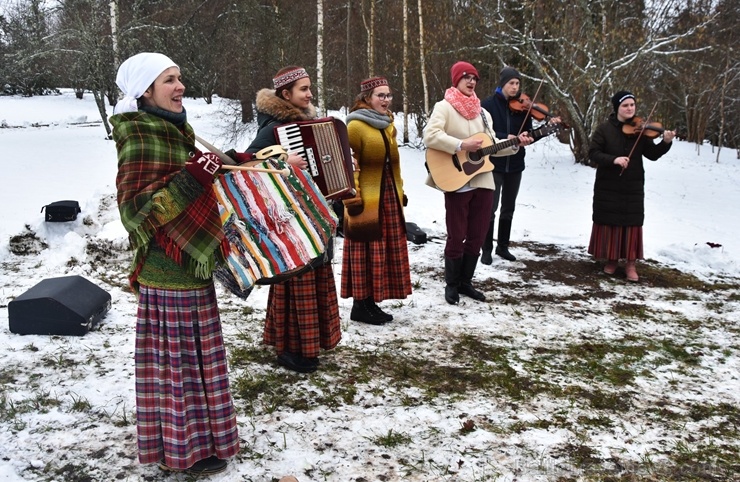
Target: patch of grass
point(27, 243)
point(631, 310)
point(391, 439)
point(616, 402)
point(723, 418)
point(7, 377)
point(678, 352)
point(579, 454)
point(710, 461)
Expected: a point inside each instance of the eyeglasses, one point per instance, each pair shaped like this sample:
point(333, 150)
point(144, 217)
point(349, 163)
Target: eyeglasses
point(470, 78)
point(384, 96)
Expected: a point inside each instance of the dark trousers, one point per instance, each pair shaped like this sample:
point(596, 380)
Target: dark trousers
point(507, 189)
point(467, 215)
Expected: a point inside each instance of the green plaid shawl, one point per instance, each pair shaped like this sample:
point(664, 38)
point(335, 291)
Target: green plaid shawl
point(159, 200)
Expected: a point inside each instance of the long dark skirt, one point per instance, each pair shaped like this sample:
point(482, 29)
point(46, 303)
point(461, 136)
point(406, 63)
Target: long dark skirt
point(616, 242)
point(184, 410)
point(303, 314)
point(379, 268)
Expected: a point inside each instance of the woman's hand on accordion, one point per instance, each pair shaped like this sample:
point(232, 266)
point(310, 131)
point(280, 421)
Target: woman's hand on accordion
point(297, 161)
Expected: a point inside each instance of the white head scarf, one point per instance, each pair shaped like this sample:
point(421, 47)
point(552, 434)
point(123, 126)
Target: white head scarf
point(136, 74)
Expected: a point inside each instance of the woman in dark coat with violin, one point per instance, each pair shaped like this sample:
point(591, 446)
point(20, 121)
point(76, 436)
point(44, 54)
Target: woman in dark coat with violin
point(619, 189)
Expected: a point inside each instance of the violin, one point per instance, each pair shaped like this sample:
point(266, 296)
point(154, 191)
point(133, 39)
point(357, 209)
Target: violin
point(538, 110)
point(522, 104)
point(634, 126)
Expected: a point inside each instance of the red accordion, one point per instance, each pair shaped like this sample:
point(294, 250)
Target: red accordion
point(324, 144)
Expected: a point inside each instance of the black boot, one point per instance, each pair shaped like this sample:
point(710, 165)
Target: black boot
point(374, 307)
point(363, 312)
point(485, 256)
point(453, 269)
point(469, 262)
point(502, 246)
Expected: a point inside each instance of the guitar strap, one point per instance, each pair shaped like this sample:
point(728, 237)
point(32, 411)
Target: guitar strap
point(486, 127)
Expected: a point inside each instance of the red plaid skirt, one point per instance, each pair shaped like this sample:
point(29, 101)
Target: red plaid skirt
point(303, 314)
point(184, 411)
point(616, 242)
point(379, 268)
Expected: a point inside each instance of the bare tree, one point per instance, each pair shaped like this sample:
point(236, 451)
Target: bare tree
point(405, 84)
point(422, 67)
point(320, 54)
point(584, 51)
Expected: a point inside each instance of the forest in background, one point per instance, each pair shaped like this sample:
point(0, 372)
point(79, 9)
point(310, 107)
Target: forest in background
point(679, 56)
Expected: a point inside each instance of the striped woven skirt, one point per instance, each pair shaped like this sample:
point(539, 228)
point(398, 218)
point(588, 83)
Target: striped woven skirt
point(303, 314)
point(616, 242)
point(379, 268)
point(184, 410)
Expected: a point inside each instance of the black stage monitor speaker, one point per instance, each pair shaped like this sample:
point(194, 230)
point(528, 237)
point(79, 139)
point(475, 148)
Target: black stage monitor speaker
point(70, 305)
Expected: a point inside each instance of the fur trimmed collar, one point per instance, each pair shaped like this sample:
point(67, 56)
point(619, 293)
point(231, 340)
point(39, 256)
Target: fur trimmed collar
point(282, 110)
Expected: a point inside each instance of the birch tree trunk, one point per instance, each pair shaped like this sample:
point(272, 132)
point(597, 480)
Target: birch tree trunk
point(422, 62)
point(405, 72)
point(348, 88)
point(370, 29)
point(723, 93)
point(320, 57)
point(114, 33)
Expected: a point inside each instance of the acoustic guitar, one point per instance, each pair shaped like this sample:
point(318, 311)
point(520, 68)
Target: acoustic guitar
point(451, 172)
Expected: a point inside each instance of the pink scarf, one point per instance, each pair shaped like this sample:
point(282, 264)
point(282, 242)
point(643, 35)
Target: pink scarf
point(468, 107)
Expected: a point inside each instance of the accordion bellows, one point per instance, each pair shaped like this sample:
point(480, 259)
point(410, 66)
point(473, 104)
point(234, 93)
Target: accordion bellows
point(277, 227)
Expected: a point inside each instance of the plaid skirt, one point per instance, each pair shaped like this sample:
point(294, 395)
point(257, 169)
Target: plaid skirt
point(303, 314)
point(184, 410)
point(379, 268)
point(616, 242)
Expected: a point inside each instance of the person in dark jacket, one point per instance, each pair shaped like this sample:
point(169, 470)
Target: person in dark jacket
point(507, 172)
point(303, 312)
point(619, 188)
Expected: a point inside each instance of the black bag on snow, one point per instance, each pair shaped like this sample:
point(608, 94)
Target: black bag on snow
point(61, 211)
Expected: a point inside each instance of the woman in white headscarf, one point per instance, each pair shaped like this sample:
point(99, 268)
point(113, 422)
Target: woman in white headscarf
point(185, 417)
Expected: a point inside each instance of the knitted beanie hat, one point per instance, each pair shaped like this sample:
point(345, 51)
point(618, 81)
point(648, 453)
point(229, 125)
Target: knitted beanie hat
point(368, 85)
point(508, 73)
point(460, 70)
point(620, 97)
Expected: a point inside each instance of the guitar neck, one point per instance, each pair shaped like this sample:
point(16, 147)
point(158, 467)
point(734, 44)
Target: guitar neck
point(544, 131)
point(499, 146)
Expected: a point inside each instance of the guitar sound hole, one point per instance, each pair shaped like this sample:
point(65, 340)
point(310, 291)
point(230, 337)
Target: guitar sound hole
point(474, 157)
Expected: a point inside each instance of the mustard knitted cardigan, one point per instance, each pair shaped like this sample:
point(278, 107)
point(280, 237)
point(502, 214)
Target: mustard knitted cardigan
point(370, 151)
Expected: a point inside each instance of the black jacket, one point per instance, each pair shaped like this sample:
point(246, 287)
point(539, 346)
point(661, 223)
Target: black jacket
point(619, 197)
point(506, 122)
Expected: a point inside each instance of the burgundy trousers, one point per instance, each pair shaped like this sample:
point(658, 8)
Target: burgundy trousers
point(467, 215)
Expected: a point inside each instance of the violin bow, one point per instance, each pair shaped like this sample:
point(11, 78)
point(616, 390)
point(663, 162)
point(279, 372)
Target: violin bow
point(647, 121)
point(531, 103)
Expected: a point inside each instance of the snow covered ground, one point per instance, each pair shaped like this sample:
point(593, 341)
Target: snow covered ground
point(564, 372)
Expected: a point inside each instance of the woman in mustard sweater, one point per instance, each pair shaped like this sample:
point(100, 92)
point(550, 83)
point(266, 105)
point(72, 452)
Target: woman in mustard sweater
point(375, 264)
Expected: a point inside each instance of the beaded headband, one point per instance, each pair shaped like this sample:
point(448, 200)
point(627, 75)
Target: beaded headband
point(370, 84)
point(288, 77)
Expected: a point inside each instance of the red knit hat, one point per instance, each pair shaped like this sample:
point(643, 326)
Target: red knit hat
point(460, 70)
point(369, 84)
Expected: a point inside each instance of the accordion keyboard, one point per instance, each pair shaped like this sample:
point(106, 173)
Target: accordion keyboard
point(325, 148)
